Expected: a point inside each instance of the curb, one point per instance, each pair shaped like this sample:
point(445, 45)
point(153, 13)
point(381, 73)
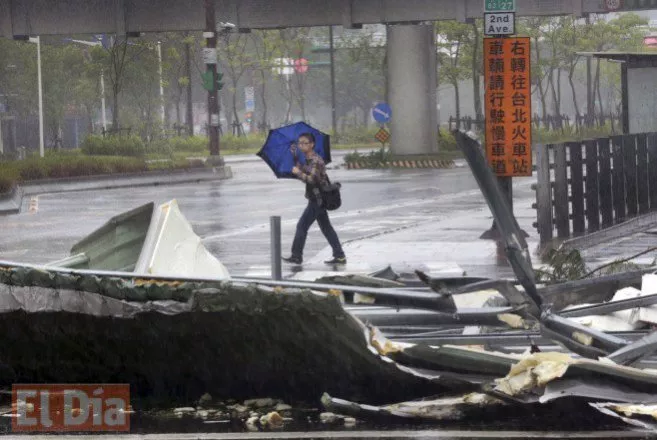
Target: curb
point(436, 164)
point(11, 201)
point(108, 181)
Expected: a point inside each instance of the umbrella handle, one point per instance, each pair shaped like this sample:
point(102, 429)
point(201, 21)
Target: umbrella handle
point(294, 150)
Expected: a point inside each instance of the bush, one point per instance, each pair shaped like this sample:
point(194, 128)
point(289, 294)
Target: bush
point(373, 158)
point(243, 143)
point(197, 144)
point(55, 166)
point(358, 135)
point(446, 141)
point(96, 145)
point(6, 184)
point(545, 136)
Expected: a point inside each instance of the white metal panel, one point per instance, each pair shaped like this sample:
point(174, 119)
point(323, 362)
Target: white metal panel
point(642, 99)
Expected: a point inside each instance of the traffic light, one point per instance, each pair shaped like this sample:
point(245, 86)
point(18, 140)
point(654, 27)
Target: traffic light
point(207, 81)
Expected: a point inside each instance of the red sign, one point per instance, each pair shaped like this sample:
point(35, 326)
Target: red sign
point(70, 407)
point(508, 106)
point(301, 65)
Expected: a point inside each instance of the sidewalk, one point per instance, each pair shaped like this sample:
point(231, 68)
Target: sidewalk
point(452, 248)
point(11, 203)
point(448, 247)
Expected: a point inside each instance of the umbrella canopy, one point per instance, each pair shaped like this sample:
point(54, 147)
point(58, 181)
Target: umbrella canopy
point(276, 150)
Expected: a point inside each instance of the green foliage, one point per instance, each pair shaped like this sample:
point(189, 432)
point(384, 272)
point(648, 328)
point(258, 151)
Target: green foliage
point(562, 265)
point(373, 159)
point(6, 184)
point(358, 135)
point(242, 143)
point(544, 136)
point(114, 146)
point(55, 166)
point(447, 141)
point(198, 144)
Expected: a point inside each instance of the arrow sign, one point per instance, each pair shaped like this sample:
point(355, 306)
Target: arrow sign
point(382, 113)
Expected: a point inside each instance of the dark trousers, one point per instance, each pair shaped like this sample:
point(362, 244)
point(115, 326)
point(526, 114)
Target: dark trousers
point(310, 214)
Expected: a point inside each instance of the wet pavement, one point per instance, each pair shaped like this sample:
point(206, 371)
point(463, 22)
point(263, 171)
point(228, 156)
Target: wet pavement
point(429, 219)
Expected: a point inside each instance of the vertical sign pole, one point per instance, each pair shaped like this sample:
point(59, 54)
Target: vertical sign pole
point(213, 99)
point(508, 112)
point(334, 118)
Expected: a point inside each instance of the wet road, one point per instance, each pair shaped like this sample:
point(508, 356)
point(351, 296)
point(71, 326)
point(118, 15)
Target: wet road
point(232, 216)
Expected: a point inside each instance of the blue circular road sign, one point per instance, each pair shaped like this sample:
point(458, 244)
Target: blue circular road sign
point(382, 113)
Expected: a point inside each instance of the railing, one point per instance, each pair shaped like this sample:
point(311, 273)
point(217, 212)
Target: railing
point(587, 186)
point(549, 122)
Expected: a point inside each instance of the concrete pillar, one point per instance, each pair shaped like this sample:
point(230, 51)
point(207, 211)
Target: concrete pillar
point(411, 57)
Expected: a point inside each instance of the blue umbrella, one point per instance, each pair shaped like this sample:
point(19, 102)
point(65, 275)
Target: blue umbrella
point(276, 150)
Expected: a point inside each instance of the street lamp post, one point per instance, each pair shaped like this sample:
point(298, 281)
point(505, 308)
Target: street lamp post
point(102, 98)
point(163, 116)
point(37, 40)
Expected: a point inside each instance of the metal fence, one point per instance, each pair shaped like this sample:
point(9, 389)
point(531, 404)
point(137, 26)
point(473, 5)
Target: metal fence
point(24, 132)
point(549, 122)
point(591, 185)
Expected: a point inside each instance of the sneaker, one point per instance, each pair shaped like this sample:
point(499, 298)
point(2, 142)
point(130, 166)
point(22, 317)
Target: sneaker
point(293, 260)
point(336, 260)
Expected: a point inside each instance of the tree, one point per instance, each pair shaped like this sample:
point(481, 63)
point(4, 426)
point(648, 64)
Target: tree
point(142, 89)
point(235, 60)
point(294, 42)
point(66, 70)
point(359, 74)
point(476, 60)
point(533, 28)
point(267, 47)
point(570, 42)
point(453, 39)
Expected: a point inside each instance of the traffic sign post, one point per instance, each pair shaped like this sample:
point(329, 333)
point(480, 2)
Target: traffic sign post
point(382, 113)
point(301, 65)
point(499, 23)
point(499, 5)
point(382, 136)
point(507, 81)
point(249, 99)
point(499, 17)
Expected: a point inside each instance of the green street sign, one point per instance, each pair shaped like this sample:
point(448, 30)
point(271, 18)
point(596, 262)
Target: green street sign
point(499, 5)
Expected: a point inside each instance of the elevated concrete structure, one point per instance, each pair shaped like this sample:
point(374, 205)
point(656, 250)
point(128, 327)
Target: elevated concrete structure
point(43, 17)
point(411, 53)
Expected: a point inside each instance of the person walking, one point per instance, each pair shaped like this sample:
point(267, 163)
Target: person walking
point(313, 173)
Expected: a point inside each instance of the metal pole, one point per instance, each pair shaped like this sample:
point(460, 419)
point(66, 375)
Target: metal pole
point(334, 121)
point(102, 99)
point(2, 144)
point(590, 110)
point(190, 115)
point(213, 101)
point(159, 58)
point(41, 146)
point(625, 100)
point(275, 226)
